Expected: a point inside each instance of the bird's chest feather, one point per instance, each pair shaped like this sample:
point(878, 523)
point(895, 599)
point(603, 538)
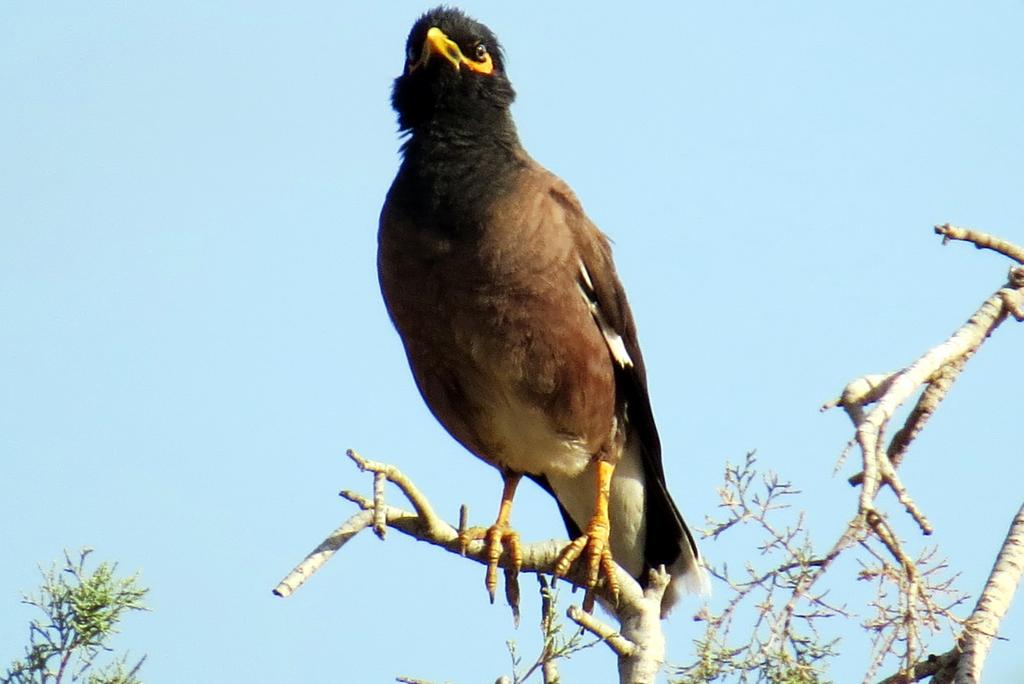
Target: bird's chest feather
point(502, 346)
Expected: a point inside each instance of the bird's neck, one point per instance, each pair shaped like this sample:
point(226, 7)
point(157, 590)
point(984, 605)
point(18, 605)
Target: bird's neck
point(457, 166)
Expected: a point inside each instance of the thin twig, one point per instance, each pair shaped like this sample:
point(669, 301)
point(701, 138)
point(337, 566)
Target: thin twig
point(618, 643)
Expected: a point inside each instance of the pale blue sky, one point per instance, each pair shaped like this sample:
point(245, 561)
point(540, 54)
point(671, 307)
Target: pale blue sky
point(191, 331)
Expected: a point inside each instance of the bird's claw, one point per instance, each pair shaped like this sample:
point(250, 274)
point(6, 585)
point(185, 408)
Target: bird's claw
point(593, 546)
point(497, 539)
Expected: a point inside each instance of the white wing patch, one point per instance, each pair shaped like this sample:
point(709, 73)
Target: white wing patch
point(612, 338)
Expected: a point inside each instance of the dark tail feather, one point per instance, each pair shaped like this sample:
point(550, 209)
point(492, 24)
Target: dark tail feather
point(669, 541)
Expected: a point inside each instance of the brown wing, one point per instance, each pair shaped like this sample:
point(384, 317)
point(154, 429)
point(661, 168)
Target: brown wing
point(669, 541)
point(600, 281)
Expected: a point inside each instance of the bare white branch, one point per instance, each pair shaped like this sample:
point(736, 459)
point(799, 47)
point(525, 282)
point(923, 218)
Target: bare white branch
point(983, 625)
point(322, 553)
point(640, 642)
point(871, 403)
point(622, 646)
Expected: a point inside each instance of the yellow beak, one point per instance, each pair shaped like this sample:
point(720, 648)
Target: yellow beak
point(437, 43)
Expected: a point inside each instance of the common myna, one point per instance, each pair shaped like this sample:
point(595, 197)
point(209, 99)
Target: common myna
point(514, 321)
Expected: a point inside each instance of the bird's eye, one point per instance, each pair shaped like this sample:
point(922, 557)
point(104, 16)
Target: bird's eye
point(410, 54)
point(480, 52)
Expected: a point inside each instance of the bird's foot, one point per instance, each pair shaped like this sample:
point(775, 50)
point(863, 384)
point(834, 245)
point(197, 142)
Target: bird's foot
point(497, 538)
point(593, 546)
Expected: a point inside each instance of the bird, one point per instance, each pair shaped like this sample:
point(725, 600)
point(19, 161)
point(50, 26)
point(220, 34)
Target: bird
point(514, 322)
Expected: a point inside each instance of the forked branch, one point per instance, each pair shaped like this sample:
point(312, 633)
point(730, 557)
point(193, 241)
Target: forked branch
point(639, 643)
point(871, 403)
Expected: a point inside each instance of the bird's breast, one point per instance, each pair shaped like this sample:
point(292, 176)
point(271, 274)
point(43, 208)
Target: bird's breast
point(536, 369)
point(503, 348)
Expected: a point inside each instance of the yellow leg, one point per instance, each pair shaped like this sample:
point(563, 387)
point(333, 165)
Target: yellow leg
point(499, 536)
point(593, 544)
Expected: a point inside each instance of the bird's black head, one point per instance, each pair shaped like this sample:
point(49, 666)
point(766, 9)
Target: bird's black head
point(454, 74)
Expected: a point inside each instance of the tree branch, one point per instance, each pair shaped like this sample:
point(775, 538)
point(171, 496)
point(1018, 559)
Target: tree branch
point(963, 663)
point(935, 371)
point(983, 625)
point(980, 240)
point(638, 610)
point(932, 666)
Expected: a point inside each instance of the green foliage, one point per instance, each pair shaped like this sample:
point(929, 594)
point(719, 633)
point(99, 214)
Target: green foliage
point(81, 612)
